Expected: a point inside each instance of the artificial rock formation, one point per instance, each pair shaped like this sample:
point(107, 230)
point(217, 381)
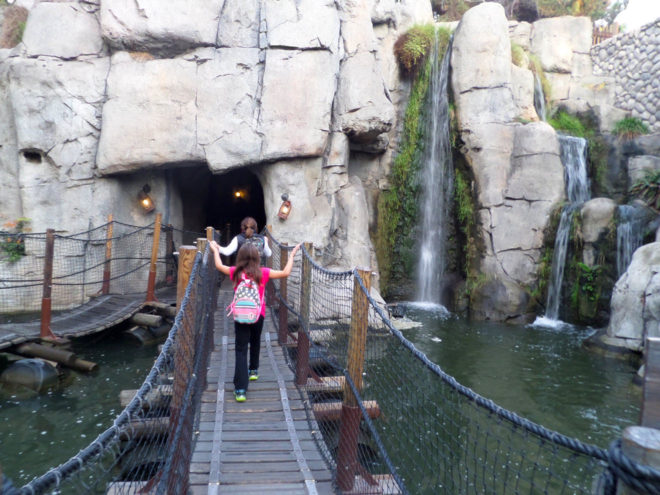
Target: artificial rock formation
point(518, 174)
point(104, 95)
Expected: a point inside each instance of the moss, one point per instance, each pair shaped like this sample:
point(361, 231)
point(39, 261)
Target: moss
point(397, 206)
point(630, 128)
point(413, 47)
point(568, 124)
point(466, 215)
point(598, 154)
point(517, 54)
point(537, 68)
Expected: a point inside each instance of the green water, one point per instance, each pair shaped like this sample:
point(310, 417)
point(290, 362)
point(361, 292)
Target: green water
point(542, 374)
point(42, 432)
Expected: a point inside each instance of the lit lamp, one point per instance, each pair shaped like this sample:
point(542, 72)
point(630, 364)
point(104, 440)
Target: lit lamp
point(285, 207)
point(145, 200)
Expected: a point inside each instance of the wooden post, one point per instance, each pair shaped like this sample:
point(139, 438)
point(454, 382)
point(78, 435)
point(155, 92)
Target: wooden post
point(347, 454)
point(283, 330)
point(650, 413)
point(210, 234)
point(169, 249)
point(46, 332)
point(151, 287)
point(641, 444)
point(302, 362)
point(105, 288)
point(186, 261)
point(201, 244)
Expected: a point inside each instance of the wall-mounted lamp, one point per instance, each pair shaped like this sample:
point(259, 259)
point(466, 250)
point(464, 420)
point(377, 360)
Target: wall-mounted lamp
point(285, 207)
point(145, 200)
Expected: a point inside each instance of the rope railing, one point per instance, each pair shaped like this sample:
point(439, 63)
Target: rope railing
point(418, 429)
point(148, 447)
point(390, 420)
point(113, 258)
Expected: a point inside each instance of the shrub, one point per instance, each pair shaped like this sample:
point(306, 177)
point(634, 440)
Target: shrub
point(13, 26)
point(413, 47)
point(648, 189)
point(12, 240)
point(630, 128)
point(569, 124)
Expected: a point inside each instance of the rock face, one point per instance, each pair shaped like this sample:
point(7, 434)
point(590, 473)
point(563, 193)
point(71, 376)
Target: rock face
point(518, 173)
point(636, 300)
point(104, 96)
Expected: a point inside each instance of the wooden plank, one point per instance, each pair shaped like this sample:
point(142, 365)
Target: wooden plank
point(331, 411)
point(331, 384)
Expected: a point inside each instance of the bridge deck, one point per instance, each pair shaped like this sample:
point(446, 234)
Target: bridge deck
point(265, 445)
point(98, 314)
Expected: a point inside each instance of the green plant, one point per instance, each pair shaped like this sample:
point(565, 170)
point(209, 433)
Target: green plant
point(596, 9)
point(568, 124)
point(12, 241)
point(630, 127)
point(517, 54)
point(537, 68)
point(413, 47)
point(397, 206)
point(648, 189)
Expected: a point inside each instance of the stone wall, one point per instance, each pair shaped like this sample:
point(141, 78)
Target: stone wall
point(633, 59)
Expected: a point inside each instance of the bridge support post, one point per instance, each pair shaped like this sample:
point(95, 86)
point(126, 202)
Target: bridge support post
point(347, 457)
point(641, 444)
point(186, 261)
point(46, 332)
point(151, 296)
point(169, 254)
point(302, 361)
point(283, 330)
point(105, 288)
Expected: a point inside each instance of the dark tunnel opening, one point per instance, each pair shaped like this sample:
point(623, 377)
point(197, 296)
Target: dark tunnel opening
point(220, 201)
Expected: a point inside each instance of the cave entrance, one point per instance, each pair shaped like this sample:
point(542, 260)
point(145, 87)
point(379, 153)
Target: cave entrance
point(220, 201)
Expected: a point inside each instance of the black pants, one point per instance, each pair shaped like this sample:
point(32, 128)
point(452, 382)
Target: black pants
point(247, 334)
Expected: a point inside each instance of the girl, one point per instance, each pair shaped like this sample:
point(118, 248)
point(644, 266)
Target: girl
point(248, 234)
point(247, 264)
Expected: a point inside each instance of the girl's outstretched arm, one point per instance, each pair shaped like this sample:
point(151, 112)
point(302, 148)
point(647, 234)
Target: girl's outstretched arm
point(286, 271)
point(222, 268)
point(230, 248)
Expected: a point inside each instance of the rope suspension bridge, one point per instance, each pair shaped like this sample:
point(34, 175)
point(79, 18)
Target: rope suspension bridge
point(344, 404)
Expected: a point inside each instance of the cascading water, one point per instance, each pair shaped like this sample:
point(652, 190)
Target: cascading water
point(629, 235)
point(437, 181)
point(573, 151)
point(539, 98)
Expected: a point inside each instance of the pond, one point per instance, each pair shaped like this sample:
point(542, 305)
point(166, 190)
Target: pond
point(44, 431)
point(542, 374)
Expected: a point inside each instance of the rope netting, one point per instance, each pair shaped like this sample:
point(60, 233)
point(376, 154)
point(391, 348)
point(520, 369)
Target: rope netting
point(116, 253)
point(391, 421)
point(398, 424)
point(148, 448)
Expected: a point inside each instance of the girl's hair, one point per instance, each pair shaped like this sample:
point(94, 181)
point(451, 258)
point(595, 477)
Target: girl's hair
point(248, 262)
point(249, 226)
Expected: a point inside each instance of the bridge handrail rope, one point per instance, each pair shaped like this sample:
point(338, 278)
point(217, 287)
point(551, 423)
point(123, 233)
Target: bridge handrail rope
point(123, 429)
point(111, 259)
point(469, 443)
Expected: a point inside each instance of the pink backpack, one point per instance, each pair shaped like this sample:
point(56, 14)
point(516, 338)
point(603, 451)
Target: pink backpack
point(246, 305)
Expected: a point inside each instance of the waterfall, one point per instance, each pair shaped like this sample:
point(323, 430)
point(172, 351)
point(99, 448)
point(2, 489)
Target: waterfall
point(539, 98)
point(629, 235)
point(437, 183)
point(573, 153)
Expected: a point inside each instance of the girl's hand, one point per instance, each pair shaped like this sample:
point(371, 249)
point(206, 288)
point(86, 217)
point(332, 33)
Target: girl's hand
point(295, 249)
point(214, 246)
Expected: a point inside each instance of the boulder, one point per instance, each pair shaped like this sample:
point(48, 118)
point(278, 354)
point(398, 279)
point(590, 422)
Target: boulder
point(597, 217)
point(558, 41)
point(636, 300)
point(147, 26)
point(63, 30)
